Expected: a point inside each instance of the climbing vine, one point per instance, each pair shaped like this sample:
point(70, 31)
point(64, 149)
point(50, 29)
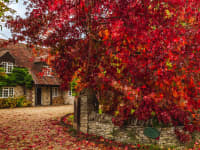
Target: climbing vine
point(19, 76)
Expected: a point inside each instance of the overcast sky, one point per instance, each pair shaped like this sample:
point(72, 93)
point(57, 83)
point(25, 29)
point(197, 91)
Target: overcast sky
point(20, 10)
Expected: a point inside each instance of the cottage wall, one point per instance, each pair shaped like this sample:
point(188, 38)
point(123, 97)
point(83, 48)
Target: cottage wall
point(33, 96)
point(67, 99)
point(63, 97)
point(57, 100)
point(30, 95)
point(18, 91)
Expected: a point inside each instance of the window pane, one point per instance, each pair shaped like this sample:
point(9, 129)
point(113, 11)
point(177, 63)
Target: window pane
point(9, 69)
point(56, 91)
point(11, 92)
point(5, 92)
point(70, 92)
point(53, 92)
point(4, 66)
point(47, 71)
point(8, 66)
point(1, 93)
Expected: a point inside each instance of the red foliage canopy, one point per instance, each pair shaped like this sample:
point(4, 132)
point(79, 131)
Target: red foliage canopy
point(150, 47)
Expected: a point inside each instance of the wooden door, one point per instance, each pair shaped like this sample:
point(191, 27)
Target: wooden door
point(38, 96)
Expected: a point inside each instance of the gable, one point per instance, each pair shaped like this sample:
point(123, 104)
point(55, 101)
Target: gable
point(22, 56)
point(7, 57)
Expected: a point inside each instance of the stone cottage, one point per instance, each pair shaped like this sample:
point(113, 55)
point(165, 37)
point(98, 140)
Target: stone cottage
point(46, 88)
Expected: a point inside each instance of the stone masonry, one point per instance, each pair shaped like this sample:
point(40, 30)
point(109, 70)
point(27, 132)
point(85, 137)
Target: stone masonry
point(101, 125)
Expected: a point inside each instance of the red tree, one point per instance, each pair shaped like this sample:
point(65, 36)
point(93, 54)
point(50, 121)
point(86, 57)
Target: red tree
point(146, 49)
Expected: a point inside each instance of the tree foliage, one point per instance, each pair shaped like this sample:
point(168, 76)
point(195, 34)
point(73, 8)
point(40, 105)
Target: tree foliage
point(146, 52)
point(5, 10)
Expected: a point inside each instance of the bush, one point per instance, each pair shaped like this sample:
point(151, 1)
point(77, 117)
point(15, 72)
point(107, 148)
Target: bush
point(14, 102)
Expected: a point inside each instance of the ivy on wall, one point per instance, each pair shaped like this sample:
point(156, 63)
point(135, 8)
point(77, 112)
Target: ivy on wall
point(19, 76)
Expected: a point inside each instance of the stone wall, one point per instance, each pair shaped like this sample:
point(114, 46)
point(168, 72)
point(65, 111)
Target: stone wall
point(33, 96)
point(18, 91)
point(87, 99)
point(102, 125)
point(93, 123)
point(30, 95)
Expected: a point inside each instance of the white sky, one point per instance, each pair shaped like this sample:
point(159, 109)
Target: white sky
point(20, 10)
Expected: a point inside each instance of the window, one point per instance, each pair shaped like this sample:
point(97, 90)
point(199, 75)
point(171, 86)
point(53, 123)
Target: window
point(70, 92)
point(8, 66)
point(47, 71)
point(6, 92)
point(55, 92)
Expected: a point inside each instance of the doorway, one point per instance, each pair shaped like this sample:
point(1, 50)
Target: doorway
point(38, 96)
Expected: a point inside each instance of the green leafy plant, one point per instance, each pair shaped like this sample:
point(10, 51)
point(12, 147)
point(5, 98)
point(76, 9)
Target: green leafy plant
point(71, 118)
point(73, 83)
point(19, 76)
point(14, 102)
point(100, 111)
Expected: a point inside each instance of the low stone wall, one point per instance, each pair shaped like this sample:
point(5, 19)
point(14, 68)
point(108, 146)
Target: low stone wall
point(102, 125)
point(88, 120)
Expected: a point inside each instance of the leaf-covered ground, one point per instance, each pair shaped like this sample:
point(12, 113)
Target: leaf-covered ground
point(37, 128)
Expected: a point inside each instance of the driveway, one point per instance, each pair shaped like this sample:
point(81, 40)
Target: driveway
point(36, 128)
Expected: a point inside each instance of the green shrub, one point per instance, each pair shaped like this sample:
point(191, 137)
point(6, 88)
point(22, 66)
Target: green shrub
point(26, 103)
point(19, 76)
point(14, 102)
point(20, 101)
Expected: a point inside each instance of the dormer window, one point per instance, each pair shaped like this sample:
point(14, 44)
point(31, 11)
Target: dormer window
point(8, 66)
point(47, 71)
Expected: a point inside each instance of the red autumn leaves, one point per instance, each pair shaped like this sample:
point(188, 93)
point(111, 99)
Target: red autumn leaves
point(152, 46)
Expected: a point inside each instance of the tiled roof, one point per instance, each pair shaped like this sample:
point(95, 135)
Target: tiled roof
point(24, 57)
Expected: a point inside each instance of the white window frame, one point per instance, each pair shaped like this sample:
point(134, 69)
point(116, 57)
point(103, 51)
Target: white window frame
point(47, 71)
point(8, 66)
point(55, 92)
point(70, 92)
point(10, 92)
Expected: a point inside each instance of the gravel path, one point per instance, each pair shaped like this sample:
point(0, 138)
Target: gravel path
point(36, 128)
